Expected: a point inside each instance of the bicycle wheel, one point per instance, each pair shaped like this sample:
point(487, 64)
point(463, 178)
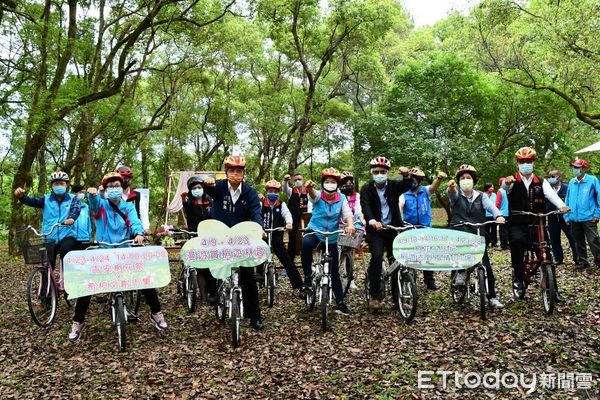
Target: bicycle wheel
point(311, 296)
point(547, 286)
point(407, 296)
point(482, 292)
point(120, 319)
point(191, 290)
point(367, 289)
point(458, 292)
point(221, 307)
point(324, 306)
point(235, 320)
point(181, 283)
point(41, 297)
point(270, 285)
point(346, 269)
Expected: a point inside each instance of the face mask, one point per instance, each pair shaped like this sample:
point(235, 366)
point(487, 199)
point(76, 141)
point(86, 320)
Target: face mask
point(59, 190)
point(380, 178)
point(197, 192)
point(347, 189)
point(80, 196)
point(114, 193)
point(415, 185)
point(273, 197)
point(298, 184)
point(552, 181)
point(330, 187)
point(526, 169)
point(576, 172)
point(466, 185)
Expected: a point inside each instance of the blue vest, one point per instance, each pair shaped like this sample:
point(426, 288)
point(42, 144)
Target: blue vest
point(504, 203)
point(326, 216)
point(417, 207)
point(83, 224)
point(493, 200)
point(56, 212)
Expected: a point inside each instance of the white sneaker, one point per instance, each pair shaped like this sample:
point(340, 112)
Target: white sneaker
point(353, 285)
point(159, 321)
point(461, 278)
point(495, 303)
point(76, 330)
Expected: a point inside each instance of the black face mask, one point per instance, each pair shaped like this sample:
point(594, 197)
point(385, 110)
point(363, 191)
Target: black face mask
point(347, 189)
point(125, 184)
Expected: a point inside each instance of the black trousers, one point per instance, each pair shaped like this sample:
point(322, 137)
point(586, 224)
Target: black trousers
point(62, 248)
point(583, 231)
point(292, 235)
point(249, 293)
point(491, 233)
point(503, 228)
point(83, 303)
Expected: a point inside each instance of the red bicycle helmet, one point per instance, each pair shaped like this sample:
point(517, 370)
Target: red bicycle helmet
point(112, 176)
point(125, 171)
point(578, 163)
point(234, 162)
point(525, 153)
point(330, 173)
point(380, 161)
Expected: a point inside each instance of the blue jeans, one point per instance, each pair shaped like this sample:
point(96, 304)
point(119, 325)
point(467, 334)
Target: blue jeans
point(308, 245)
point(556, 224)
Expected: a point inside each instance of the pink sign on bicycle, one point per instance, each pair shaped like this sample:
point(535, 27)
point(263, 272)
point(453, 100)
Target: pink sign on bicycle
point(88, 272)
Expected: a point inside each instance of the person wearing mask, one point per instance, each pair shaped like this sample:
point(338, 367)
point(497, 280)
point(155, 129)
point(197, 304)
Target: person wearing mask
point(502, 205)
point(557, 223)
point(491, 230)
point(133, 196)
point(83, 224)
point(298, 205)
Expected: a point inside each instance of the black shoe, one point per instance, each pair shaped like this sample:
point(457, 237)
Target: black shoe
point(518, 285)
point(558, 297)
point(212, 298)
point(431, 286)
point(581, 266)
point(343, 309)
point(257, 324)
point(258, 277)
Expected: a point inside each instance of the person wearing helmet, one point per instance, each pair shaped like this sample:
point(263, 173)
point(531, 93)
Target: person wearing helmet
point(470, 205)
point(349, 190)
point(298, 204)
point(415, 207)
point(329, 206)
point(57, 207)
point(276, 214)
point(491, 230)
point(83, 224)
point(379, 201)
point(116, 221)
point(235, 201)
point(502, 205)
point(526, 192)
point(133, 196)
point(196, 207)
point(557, 223)
point(583, 197)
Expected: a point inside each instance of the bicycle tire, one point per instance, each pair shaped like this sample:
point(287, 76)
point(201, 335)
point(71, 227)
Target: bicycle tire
point(221, 308)
point(548, 291)
point(346, 269)
point(191, 287)
point(270, 285)
point(482, 293)
point(39, 303)
point(458, 293)
point(120, 322)
point(407, 294)
point(325, 307)
point(235, 320)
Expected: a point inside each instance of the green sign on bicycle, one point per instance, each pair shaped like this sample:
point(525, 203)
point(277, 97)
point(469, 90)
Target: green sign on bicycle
point(221, 248)
point(88, 272)
point(435, 249)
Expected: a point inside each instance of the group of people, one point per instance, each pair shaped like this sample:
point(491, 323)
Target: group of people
point(380, 202)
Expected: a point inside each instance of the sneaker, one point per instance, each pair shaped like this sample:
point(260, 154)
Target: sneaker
point(343, 309)
point(353, 285)
point(374, 304)
point(495, 303)
point(76, 330)
point(257, 324)
point(431, 286)
point(461, 278)
point(159, 321)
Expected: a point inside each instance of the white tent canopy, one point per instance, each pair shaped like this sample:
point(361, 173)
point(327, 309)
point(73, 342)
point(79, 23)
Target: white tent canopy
point(178, 184)
point(593, 147)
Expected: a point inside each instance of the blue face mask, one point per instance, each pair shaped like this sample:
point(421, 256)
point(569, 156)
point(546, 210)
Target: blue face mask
point(273, 197)
point(80, 196)
point(114, 193)
point(59, 190)
point(552, 181)
point(576, 172)
point(197, 192)
point(526, 169)
point(380, 178)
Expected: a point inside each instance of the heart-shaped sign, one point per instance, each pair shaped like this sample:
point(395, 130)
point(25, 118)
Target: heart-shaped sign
point(221, 248)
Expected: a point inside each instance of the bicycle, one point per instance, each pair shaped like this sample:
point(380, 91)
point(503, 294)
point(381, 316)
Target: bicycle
point(402, 281)
point(321, 278)
point(43, 287)
point(269, 274)
point(458, 291)
point(229, 304)
point(187, 284)
point(538, 262)
point(347, 245)
point(117, 301)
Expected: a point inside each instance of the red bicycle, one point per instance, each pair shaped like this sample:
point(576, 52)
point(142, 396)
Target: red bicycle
point(538, 262)
point(43, 286)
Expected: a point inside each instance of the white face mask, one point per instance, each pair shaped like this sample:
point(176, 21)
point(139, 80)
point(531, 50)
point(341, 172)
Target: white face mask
point(466, 185)
point(330, 187)
point(298, 184)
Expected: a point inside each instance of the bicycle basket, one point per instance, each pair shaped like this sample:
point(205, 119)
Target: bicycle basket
point(31, 249)
point(351, 240)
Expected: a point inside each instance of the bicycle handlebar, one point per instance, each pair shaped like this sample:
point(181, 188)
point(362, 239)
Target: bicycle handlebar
point(37, 233)
point(314, 231)
point(181, 230)
point(94, 245)
point(535, 214)
point(280, 229)
point(478, 224)
point(404, 228)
